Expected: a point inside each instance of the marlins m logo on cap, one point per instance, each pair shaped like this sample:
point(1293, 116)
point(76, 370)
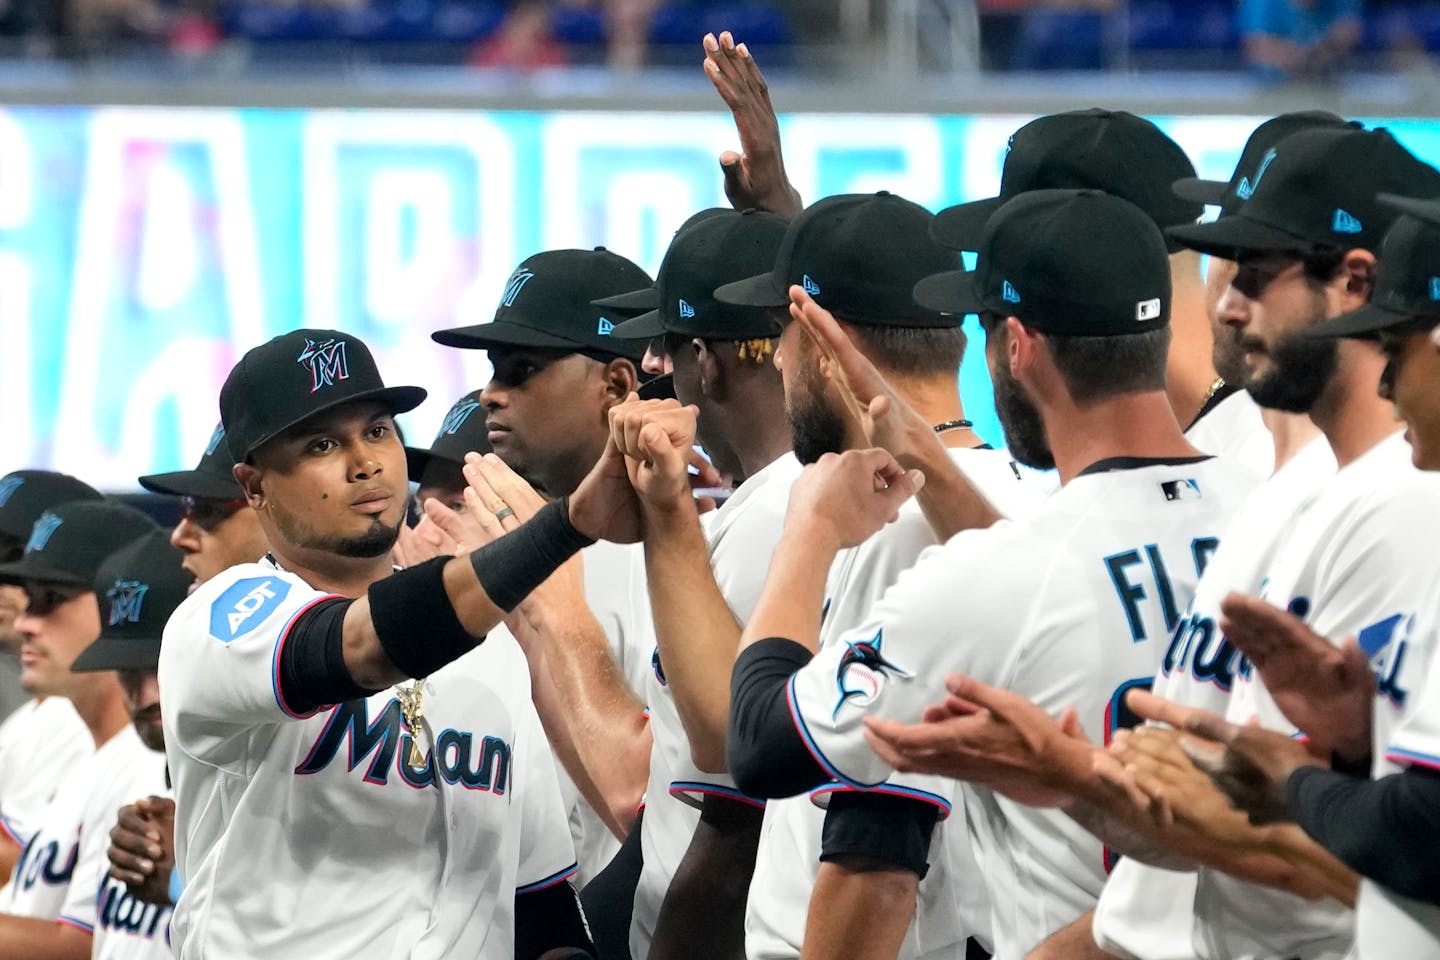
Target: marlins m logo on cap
point(514, 285)
point(1247, 186)
point(8, 486)
point(326, 361)
point(457, 416)
point(126, 599)
point(43, 530)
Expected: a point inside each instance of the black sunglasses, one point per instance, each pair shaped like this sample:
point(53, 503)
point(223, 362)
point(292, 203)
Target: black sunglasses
point(207, 513)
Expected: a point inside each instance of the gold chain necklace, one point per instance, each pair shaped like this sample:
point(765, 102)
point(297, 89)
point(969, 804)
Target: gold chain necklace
point(413, 707)
point(1210, 394)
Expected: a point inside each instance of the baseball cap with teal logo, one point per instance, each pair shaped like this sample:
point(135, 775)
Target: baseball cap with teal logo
point(1256, 157)
point(68, 542)
point(1407, 283)
point(139, 586)
point(25, 494)
point(211, 477)
point(462, 431)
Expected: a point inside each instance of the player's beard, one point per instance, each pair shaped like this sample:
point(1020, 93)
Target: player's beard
point(815, 429)
point(1300, 370)
point(374, 542)
point(1020, 419)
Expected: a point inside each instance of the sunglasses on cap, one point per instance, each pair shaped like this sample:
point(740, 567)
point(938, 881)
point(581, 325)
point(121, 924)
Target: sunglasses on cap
point(43, 599)
point(207, 513)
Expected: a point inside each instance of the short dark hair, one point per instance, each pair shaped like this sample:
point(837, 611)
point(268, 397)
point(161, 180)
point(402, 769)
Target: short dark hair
point(1322, 265)
point(912, 351)
point(1098, 368)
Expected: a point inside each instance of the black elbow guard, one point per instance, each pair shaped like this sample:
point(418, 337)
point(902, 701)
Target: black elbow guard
point(312, 671)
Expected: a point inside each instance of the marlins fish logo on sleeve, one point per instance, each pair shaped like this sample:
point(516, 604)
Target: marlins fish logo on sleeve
point(862, 671)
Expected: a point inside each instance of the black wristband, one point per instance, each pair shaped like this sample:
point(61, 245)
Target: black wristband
point(512, 566)
point(415, 621)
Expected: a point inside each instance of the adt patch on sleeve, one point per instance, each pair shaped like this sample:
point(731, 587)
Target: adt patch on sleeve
point(245, 605)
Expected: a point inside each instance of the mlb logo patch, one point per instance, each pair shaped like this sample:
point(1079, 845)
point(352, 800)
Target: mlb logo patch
point(1147, 309)
point(1180, 490)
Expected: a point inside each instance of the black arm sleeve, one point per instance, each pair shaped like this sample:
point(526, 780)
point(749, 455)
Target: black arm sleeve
point(1386, 829)
point(312, 671)
point(877, 827)
point(764, 751)
point(550, 919)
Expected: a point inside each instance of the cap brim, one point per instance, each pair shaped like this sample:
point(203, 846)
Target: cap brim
point(643, 327)
point(488, 336)
point(951, 293)
point(1210, 192)
point(398, 399)
point(192, 483)
point(759, 291)
point(116, 653)
point(661, 388)
point(1237, 234)
point(21, 572)
point(1427, 210)
point(961, 227)
point(1365, 323)
point(636, 301)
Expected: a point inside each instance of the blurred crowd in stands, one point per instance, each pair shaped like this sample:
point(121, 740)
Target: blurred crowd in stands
point(1277, 39)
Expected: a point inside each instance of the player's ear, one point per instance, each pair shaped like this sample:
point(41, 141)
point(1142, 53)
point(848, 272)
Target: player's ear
point(709, 368)
point(1359, 268)
point(1018, 344)
point(248, 476)
point(621, 379)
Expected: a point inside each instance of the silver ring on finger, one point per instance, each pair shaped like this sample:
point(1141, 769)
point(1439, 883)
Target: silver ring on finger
point(504, 512)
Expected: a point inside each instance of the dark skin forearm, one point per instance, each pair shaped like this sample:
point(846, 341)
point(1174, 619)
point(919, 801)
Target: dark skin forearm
point(703, 914)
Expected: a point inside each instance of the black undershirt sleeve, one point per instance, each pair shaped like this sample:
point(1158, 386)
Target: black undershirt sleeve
point(550, 919)
point(312, 671)
point(764, 751)
point(879, 828)
point(1387, 830)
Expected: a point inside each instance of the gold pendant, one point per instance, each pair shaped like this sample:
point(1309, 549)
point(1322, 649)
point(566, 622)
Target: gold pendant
point(414, 712)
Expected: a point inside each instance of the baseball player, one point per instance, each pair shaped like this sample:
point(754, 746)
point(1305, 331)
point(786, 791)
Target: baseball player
point(863, 256)
point(1353, 555)
point(44, 736)
point(421, 816)
point(699, 833)
point(216, 529)
point(1122, 543)
point(43, 911)
point(558, 367)
point(1146, 911)
point(140, 586)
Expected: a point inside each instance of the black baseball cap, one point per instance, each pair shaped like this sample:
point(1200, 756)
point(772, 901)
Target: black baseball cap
point(138, 586)
point(647, 299)
point(25, 494)
point(1318, 194)
point(1094, 149)
point(1407, 285)
point(295, 376)
point(1030, 266)
point(69, 541)
point(211, 478)
point(462, 431)
point(548, 302)
point(1255, 159)
point(726, 246)
point(859, 256)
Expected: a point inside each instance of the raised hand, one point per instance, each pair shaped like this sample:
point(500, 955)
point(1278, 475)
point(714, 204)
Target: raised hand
point(755, 177)
point(843, 499)
point(993, 737)
point(1325, 690)
point(657, 438)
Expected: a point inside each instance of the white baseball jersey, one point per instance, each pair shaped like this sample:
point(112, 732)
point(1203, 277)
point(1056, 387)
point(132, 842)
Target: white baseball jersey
point(1358, 558)
point(58, 874)
point(39, 743)
point(1145, 912)
point(952, 903)
point(1070, 606)
point(1388, 925)
point(396, 859)
point(128, 928)
point(140, 932)
point(614, 577)
point(1233, 428)
point(741, 536)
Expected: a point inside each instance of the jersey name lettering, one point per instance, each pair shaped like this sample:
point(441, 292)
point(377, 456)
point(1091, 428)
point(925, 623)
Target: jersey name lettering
point(40, 863)
point(1198, 645)
point(122, 912)
point(453, 758)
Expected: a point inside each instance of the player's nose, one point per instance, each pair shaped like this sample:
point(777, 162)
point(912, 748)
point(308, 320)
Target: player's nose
point(185, 536)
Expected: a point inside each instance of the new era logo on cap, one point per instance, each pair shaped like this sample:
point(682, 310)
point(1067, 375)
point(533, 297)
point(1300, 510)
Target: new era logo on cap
point(1247, 186)
point(811, 287)
point(604, 327)
point(8, 486)
point(1008, 293)
point(686, 311)
point(326, 361)
point(1434, 295)
point(126, 599)
point(514, 285)
point(43, 530)
point(1147, 309)
point(215, 439)
point(1344, 222)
